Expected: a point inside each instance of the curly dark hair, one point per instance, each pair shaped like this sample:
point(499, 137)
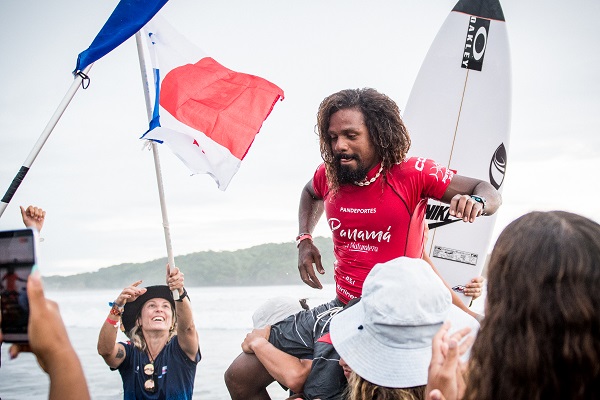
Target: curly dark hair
point(382, 118)
point(540, 338)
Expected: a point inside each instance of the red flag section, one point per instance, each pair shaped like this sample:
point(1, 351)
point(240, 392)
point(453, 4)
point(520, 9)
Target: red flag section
point(208, 115)
point(227, 106)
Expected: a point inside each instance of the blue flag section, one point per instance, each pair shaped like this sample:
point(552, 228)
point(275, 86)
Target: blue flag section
point(128, 17)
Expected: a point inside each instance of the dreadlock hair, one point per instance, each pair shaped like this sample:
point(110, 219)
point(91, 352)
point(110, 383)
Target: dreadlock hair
point(540, 338)
point(382, 118)
point(361, 389)
point(136, 335)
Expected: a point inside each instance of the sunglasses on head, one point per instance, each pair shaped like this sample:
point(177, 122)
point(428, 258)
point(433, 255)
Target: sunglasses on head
point(150, 383)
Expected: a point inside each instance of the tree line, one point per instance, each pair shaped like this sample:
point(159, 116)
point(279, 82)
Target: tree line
point(262, 265)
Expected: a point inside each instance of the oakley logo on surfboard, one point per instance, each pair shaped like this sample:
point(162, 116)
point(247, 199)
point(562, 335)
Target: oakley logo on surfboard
point(498, 166)
point(475, 43)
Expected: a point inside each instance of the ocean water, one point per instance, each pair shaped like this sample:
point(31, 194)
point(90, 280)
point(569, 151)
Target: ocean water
point(223, 316)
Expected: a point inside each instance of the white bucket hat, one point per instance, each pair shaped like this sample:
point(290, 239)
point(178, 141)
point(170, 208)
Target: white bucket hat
point(274, 310)
point(386, 337)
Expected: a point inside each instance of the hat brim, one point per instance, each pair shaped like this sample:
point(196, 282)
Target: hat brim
point(371, 359)
point(378, 363)
point(132, 309)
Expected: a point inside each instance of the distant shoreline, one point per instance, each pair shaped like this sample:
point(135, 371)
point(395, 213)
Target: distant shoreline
point(263, 265)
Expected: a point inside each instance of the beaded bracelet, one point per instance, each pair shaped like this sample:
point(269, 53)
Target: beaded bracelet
point(116, 309)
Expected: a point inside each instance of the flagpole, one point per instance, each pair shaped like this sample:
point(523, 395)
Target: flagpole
point(16, 182)
point(159, 181)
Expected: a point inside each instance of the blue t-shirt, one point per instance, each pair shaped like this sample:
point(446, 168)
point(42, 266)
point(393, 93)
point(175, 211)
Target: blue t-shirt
point(174, 373)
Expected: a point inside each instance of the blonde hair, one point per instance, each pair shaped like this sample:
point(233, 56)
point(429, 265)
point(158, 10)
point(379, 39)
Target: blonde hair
point(360, 389)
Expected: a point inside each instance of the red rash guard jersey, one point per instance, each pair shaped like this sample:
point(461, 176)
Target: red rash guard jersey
point(379, 222)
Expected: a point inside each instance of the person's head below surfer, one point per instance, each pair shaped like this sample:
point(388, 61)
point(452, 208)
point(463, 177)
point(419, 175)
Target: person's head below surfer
point(384, 341)
point(541, 331)
point(375, 199)
point(163, 350)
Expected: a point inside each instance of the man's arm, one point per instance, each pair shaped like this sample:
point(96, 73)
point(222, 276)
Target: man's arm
point(310, 211)
point(186, 330)
point(459, 192)
point(288, 370)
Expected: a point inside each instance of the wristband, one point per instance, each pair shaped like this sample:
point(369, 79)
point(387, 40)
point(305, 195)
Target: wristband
point(110, 321)
point(183, 296)
point(301, 237)
point(481, 200)
point(116, 309)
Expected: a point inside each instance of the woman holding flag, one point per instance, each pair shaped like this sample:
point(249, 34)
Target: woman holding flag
point(159, 361)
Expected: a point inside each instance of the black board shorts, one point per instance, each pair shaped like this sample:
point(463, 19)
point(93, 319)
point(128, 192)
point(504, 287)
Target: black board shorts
point(326, 380)
point(297, 334)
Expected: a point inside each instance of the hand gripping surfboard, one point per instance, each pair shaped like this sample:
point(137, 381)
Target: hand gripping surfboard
point(458, 114)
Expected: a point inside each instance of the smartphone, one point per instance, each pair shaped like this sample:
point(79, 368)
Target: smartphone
point(17, 258)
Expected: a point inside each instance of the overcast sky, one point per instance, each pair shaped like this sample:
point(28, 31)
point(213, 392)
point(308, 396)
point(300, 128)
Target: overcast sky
point(99, 187)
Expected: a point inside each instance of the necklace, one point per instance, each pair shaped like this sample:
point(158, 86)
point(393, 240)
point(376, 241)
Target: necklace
point(150, 383)
point(373, 179)
point(150, 356)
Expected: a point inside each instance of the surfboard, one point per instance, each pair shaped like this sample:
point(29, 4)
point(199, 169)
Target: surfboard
point(458, 114)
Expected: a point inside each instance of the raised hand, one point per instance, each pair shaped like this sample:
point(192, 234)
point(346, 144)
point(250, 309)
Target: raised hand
point(446, 371)
point(33, 217)
point(130, 293)
point(174, 278)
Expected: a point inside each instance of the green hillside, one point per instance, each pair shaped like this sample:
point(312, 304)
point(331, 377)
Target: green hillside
point(267, 264)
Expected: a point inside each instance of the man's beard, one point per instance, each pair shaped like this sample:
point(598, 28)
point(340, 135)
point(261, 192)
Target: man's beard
point(347, 174)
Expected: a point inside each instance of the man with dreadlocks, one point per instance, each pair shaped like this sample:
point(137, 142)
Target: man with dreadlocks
point(375, 200)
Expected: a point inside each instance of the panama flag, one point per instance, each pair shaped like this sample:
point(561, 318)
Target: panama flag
point(128, 17)
point(207, 114)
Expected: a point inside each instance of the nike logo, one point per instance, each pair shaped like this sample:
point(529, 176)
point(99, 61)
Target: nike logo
point(434, 225)
point(441, 213)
